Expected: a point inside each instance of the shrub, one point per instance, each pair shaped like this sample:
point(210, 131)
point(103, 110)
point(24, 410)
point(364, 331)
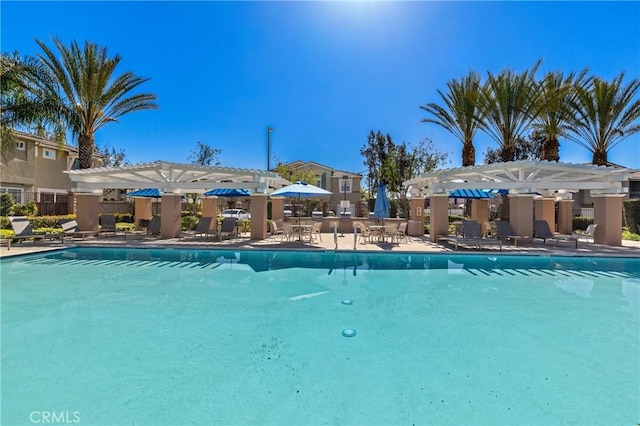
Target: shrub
point(28, 209)
point(628, 235)
point(581, 223)
point(124, 226)
point(124, 217)
point(6, 204)
point(631, 209)
point(188, 223)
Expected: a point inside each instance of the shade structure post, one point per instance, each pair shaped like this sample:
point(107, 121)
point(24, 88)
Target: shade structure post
point(210, 206)
point(142, 207)
point(439, 216)
point(521, 214)
point(171, 214)
point(258, 212)
point(88, 211)
point(607, 214)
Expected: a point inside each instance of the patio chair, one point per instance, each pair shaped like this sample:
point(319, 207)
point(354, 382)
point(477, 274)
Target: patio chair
point(22, 230)
point(588, 234)
point(276, 229)
point(471, 233)
point(505, 232)
point(401, 232)
point(543, 232)
point(203, 228)
point(107, 224)
point(228, 228)
point(390, 231)
point(70, 228)
point(315, 231)
point(287, 231)
point(363, 232)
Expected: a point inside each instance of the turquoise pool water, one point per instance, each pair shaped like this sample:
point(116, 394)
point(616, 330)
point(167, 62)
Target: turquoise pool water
point(166, 337)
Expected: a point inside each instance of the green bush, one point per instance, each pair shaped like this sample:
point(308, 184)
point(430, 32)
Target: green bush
point(28, 209)
point(581, 223)
point(631, 209)
point(124, 226)
point(6, 204)
point(124, 217)
point(6, 233)
point(188, 223)
point(628, 235)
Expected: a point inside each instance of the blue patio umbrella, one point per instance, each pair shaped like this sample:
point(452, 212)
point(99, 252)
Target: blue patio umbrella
point(228, 192)
point(301, 189)
point(381, 207)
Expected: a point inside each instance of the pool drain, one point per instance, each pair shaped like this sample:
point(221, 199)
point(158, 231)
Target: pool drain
point(347, 302)
point(349, 332)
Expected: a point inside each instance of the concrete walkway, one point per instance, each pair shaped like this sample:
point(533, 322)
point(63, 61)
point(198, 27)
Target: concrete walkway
point(345, 243)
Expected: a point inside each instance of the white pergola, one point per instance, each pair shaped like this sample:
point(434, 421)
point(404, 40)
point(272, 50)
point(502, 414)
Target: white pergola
point(173, 180)
point(526, 176)
point(547, 181)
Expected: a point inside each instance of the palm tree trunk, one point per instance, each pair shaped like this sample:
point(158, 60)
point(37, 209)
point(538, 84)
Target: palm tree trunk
point(600, 157)
point(507, 153)
point(550, 148)
point(86, 147)
point(468, 154)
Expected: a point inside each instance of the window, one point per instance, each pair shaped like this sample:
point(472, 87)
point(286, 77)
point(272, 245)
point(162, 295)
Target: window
point(49, 154)
point(20, 146)
point(345, 185)
point(16, 194)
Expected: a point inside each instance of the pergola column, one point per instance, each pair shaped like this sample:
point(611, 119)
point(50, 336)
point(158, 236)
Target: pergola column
point(258, 212)
point(545, 209)
point(521, 213)
point(210, 206)
point(439, 216)
point(171, 215)
point(565, 216)
point(607, 214)
point(88, 211)
point(416, 224)
point(277, 208)
point(142, 209)
point(480, 212)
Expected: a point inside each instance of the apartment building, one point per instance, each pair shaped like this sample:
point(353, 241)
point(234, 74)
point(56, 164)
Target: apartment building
point(344, 186)
point(34, 171)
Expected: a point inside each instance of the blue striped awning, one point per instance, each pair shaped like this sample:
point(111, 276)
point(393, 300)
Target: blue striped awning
point(147, 192)
point(228, 192)
point(475, 193)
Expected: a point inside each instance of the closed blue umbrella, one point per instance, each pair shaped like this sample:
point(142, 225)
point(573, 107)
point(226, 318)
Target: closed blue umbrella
point(381, 208)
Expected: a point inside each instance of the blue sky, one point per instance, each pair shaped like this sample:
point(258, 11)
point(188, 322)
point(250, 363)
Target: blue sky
point(322, 74)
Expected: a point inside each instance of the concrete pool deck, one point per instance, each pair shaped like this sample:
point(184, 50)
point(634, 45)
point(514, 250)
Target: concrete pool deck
point(345, 243)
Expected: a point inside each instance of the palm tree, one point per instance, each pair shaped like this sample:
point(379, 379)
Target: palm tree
point(555, 92)
point(460, 113)
point(19, 108)
point(604, 114)
point(510, 101)
point(87, 92)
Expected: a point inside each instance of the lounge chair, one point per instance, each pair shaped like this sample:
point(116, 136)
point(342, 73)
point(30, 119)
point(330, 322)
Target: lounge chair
point(22, 230)
point(401, 233)
point(287, 231)
point(543, 232)
point(588, 234)
point(276, 228)
point(505, 232)
point(228, 228)
point(107, 224)
point(203, 228)
point(71, 228)
point(471, 233)
point(315, 231)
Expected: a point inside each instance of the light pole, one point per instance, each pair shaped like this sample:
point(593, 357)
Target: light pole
point(269, 130)
point(344, 188)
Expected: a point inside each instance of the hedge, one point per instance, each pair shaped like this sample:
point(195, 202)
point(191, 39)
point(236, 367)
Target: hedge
point(581, 223)
point(631, 209)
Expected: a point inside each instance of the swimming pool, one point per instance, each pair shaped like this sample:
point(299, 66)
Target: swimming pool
point(118, 336)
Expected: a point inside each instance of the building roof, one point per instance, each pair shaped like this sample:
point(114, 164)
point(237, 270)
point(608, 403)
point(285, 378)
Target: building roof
point(175, 178)
point(526, 176)
point(336, 173)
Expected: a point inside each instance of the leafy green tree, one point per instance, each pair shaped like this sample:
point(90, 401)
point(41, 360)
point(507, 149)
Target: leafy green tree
point(21, 109)
point(112, 157)
point(375, 154)
point(393, 164)
point(556, 91)
point(510, 101)
point(87, 92)
point(530, 148)
point(460, 113)
point(604, 114)
point(205, 155)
